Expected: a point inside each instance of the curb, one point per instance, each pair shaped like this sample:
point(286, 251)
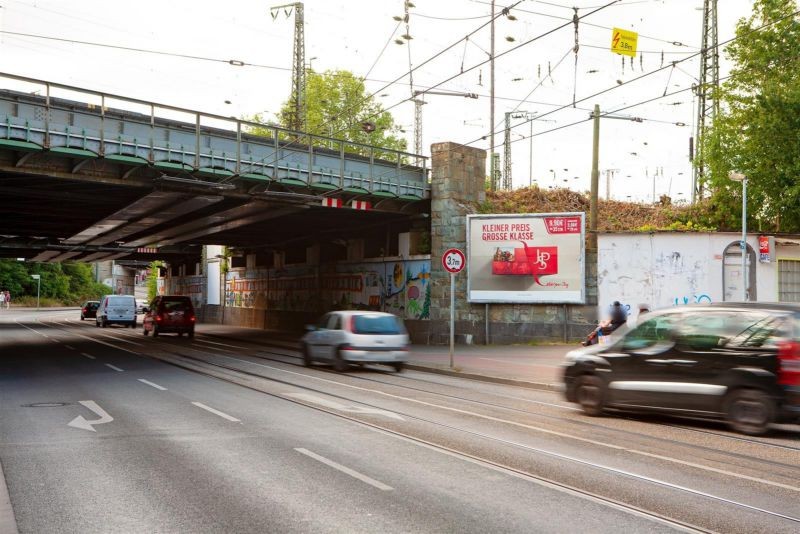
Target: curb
point(485, 378)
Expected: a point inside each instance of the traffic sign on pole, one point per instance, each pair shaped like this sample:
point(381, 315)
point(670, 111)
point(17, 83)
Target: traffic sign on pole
point(453, 260)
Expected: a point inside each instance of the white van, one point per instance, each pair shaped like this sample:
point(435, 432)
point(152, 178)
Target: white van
point(120, 309)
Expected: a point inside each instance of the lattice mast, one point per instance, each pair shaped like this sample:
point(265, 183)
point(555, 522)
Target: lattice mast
point(706, 91)
point(507, 183)
point(297, 99)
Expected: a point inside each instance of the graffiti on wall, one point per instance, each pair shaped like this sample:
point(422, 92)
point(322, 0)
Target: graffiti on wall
point(694, 299)
point(399, 287)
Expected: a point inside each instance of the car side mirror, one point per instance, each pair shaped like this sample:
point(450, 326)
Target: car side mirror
point(145, 309)
point(310, 328)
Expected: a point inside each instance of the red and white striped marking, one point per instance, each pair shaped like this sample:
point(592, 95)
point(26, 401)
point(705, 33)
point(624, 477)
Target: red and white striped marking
point(360, 205)
point(329, 202)
point(147, 250)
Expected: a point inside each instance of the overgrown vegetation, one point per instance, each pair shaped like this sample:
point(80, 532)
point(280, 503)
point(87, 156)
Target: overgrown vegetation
point(62, 284)
point(614, 216)
point(152, 280)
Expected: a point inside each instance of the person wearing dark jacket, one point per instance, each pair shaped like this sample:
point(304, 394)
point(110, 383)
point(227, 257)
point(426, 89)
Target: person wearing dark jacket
point(618, 318)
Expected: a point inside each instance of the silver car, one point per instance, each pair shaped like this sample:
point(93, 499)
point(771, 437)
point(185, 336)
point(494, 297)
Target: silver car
point(345, 337)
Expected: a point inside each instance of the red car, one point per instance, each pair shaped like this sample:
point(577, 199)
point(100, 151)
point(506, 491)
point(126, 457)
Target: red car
point(169, 313)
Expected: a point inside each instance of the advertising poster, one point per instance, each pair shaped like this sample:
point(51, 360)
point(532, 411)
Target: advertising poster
point(526, 258)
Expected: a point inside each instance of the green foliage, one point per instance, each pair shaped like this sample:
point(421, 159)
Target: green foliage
point(337, 104)
point(758, 130)
point(61, 283)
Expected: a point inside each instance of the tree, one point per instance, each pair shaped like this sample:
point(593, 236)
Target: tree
point(338, 105)
point(757, 131)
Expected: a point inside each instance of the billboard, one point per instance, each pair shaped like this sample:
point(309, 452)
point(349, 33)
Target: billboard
point(526, 258)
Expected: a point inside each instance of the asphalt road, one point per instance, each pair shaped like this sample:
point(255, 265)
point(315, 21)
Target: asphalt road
point(106, 430)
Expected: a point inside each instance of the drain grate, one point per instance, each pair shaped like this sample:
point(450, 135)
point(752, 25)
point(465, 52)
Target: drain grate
point(46, 404)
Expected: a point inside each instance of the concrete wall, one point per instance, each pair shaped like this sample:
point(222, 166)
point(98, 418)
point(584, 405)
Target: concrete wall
point(668, 269)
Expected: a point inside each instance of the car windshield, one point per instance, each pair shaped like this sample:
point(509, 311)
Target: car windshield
point(119, 301)
point(92, 305)
point(377, 324)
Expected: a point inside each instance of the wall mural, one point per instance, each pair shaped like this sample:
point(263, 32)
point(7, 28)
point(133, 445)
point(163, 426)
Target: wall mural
point(401, 287)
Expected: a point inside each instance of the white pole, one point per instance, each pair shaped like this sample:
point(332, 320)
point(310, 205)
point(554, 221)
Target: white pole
point(745, 277)
point(38, 286)
point(452, 315)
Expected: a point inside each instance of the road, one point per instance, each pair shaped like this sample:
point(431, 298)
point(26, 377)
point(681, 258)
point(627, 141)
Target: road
point(106, 430)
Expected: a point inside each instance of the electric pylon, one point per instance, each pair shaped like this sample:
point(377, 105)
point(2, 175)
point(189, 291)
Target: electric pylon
point(706, 91)
point(297, 100)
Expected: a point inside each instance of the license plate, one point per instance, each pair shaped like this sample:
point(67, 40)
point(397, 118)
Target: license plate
point(119, 310)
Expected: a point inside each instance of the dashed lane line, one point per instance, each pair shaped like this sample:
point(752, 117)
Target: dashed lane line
point(152, 384)
point(216, 412)
point(114, 367)
point(346, 470)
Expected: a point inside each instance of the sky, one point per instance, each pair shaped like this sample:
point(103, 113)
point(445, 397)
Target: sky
point(535, 70)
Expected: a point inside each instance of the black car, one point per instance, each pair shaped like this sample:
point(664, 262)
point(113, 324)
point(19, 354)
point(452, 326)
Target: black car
point(89, 309)
point(736, 361)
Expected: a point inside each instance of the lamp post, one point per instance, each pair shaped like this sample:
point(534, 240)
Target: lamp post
point(739, 177)
point(38, 279)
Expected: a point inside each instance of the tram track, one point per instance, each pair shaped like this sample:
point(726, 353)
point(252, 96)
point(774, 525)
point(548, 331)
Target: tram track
point(179, 352)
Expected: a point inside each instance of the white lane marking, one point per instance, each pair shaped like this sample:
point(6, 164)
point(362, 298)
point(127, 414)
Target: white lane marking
point(216, 412)
point(220, 344)
point(530, 427)
point(117, 338)
point(346, 470)
point(31, 329)
point(114, 367)
point(152, 384)
point(88, 356)
point(81, 422)
point(70, 347)
point(341, 407)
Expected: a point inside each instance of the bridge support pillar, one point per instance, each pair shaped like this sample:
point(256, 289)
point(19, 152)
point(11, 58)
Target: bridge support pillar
point(457, 183)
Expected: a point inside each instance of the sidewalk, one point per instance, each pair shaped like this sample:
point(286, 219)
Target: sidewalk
point(536, 366)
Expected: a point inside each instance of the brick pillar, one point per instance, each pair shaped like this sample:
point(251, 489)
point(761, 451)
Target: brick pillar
point(457, 183)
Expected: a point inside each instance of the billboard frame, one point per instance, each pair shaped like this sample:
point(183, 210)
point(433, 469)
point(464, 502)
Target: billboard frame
point(500, 216)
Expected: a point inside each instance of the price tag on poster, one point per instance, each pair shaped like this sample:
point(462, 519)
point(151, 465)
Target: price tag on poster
point(453, 260)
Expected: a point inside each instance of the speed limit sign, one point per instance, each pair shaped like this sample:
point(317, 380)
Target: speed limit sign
point(453, 260)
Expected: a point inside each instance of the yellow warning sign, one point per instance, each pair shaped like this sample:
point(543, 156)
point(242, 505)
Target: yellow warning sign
point(624, 42)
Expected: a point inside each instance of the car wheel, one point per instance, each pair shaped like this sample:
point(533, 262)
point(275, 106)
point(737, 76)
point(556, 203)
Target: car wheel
point(306, 356)
point(749, 411)
point(590, 394)
point(81, 317)
point(104, 323)
point(144, 331)
point(398, 367)
point(155, 330)
point(339, 363)
point(96, 323)
point(190, 333)
point(180, 334)
point(133, 324)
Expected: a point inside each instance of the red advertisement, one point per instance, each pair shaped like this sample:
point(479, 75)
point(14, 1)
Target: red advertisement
point(526, 258)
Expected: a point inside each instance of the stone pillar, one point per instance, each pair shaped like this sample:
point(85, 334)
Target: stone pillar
point(457, 183)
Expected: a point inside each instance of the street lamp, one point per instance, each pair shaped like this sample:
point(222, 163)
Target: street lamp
point(739, 177)
point(38, 279)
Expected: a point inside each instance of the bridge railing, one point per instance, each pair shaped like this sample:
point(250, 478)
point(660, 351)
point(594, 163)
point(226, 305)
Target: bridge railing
point(85, 124)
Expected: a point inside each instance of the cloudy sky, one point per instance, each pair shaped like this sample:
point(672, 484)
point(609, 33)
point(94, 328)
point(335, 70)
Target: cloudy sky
point(359, 35)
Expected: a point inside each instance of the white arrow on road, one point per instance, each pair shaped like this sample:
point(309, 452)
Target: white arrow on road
point(80, 422)
point(341, 407)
